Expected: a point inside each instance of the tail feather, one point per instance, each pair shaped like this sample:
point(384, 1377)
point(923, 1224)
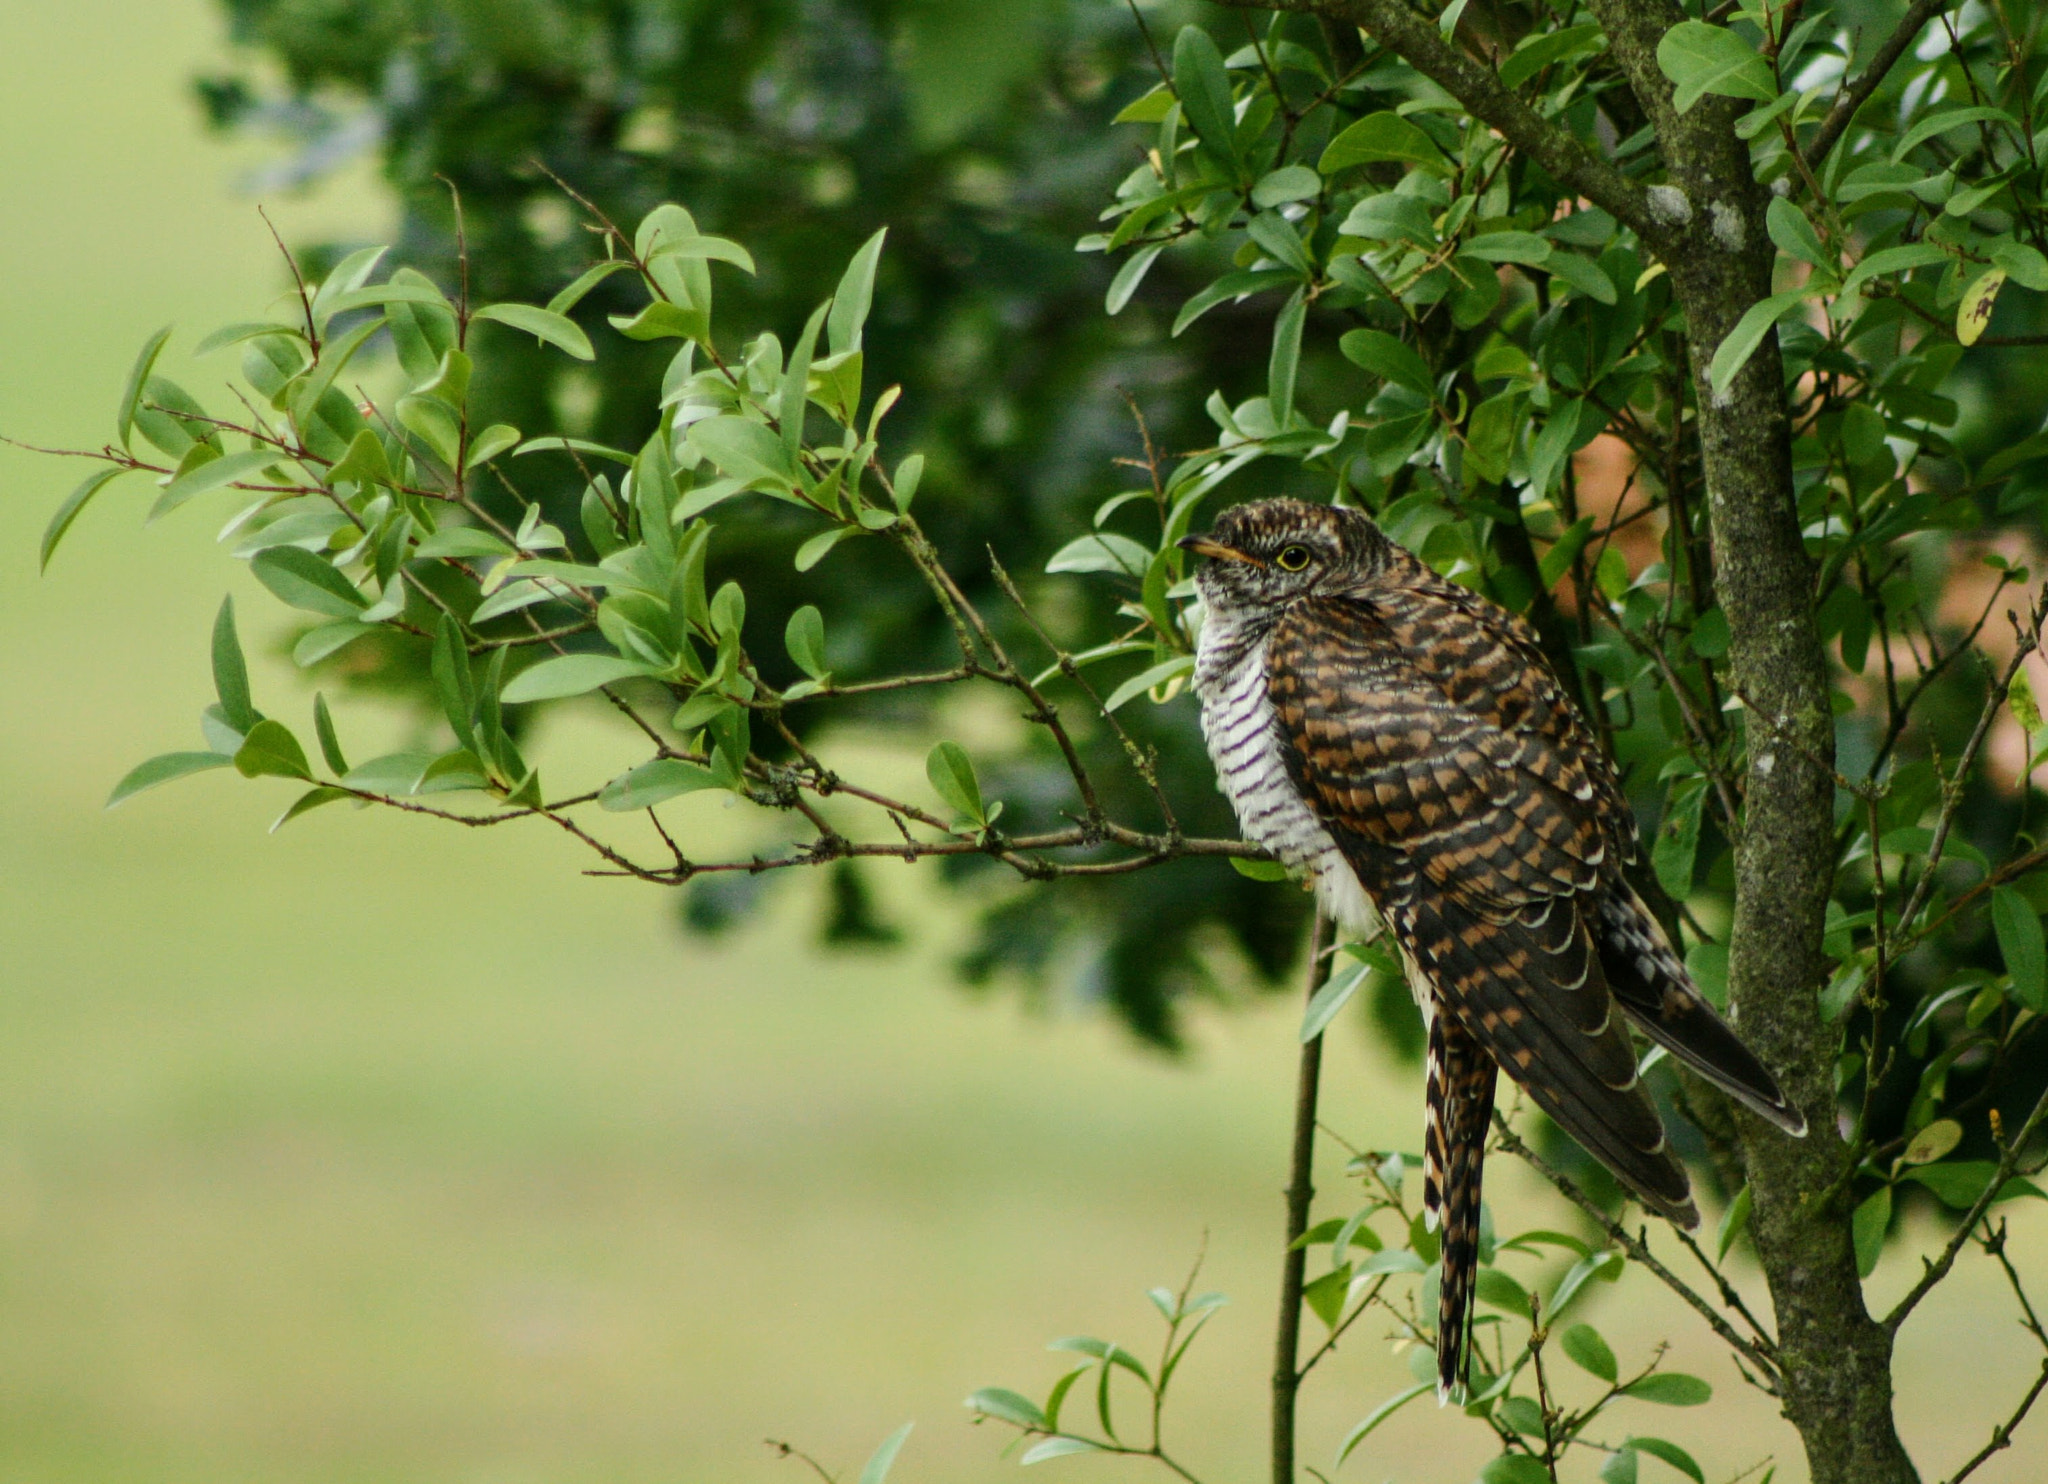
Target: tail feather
point(1460, 1103)
point(1538, 1003)
point(1652, 986)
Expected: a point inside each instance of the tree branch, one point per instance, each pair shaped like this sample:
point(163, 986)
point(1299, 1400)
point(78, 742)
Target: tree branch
point(1416, 40)
point(1854, 95)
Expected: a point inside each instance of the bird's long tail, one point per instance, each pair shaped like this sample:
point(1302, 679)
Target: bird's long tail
point(1460, 1104)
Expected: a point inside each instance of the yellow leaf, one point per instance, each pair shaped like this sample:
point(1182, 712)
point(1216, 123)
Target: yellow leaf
point(1974, 313)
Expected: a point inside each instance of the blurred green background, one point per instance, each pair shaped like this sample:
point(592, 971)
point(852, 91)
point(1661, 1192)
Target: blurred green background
point(297, 1182)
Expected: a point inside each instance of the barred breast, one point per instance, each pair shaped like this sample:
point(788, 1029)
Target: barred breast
point(1245, 744)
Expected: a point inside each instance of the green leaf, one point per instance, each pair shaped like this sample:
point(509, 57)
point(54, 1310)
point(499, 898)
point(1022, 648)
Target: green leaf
point(1508, 247)
point(308, 801)
point(585, 281)
point(271, 749)
point(1288, 183)
point(1580, 1274)
point(1514, 1468)
point(1229, 286)
point(1375, 138)
point(660, 320)
point(1620, 1467)
point(1058, 1447)
point(1893, 260)
point(1959, 1183)
point(1867, 1228)
point(463, 541)
point(1258, 870)
point(1932, 1142)
point(1538, 51)
point(330, 741)
point(334, 359)
point(163, 768)
point(212, 475)
point(1587, 1350)
point(421, 293)
point(1492, 1286)
point(804, 637)
point(1378, 1415)
point(363, 464)
point(395, 773)
point(230, 671)
point(1584, 276)
point(1202, 83)
point(555, 328)
point(1101, 551)
point(1701, 59)
point(951, 773)
point(1733, 1220)
point(68, 512)
point(1128, 276)
point(795, 394)
point(879, 1464)
point(138, 378)
point(856, 291)
point(1673, 851)
point(1671, 1389)
point(656, 782)
point(306, 581)
point(2029, 269)
point(1006, 1406)
point(1150, 108)
point(453, 681)
point(1389, 359)
point(574, 446)
point(1941, 121)
point(316, 645)
point(2018, 927)
point(813, 551)
point(1741, 342)
point(1794, 234)
point(744, 449)
point(434, 422)
point(1327, 1002)
point(491, 442)
point(1671, 1453)
point(706, 249)
point(453, 772)
point(909, 474)
point(569, 675)
point(1157, 675)
point(1390, 217)
point(1285, 359)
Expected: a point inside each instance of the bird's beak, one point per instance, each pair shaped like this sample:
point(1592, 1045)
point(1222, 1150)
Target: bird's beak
point(1203, 546)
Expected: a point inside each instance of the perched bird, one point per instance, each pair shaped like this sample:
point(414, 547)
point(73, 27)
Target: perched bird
point(1401, 740)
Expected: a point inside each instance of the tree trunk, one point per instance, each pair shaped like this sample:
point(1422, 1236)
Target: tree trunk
point(1836, 1358)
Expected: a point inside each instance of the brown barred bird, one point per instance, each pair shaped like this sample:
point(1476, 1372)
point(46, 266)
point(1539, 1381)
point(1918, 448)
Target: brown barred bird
point(1402, 741)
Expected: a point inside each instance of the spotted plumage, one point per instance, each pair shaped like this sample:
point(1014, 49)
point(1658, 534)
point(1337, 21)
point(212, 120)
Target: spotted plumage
point(1401, 741)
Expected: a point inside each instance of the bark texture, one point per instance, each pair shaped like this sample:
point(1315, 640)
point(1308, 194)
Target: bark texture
point(1836, 1359)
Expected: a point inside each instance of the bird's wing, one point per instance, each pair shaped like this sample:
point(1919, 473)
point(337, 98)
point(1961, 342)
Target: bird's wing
point(1489, 663)
point(1483, 846)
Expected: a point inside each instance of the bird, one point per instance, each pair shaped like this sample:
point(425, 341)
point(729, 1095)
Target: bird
point(1402, 742)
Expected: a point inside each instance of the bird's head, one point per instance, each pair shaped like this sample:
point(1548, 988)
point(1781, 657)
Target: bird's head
point(1270, 552)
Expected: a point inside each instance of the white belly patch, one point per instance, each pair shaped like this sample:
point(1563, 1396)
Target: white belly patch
point(1244, 742)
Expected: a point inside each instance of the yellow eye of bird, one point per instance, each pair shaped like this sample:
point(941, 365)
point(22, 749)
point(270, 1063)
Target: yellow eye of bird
point(1292, 558)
